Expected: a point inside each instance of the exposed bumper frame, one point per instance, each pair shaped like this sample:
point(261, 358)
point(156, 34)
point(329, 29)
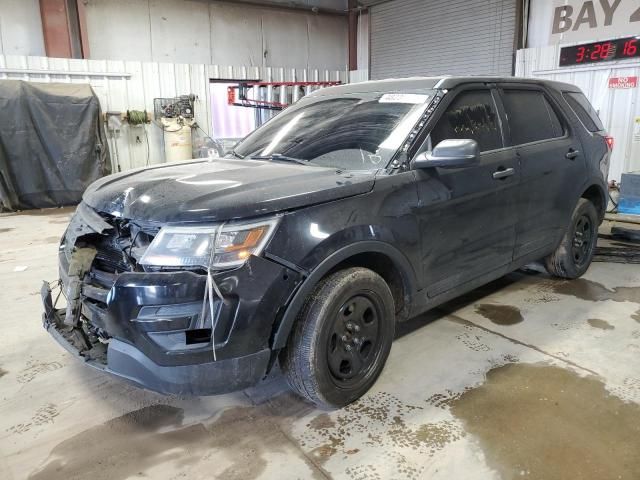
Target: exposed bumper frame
point(127, 362)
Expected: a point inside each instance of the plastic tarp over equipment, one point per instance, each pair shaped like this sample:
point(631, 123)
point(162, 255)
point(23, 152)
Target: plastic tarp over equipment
point(52, 144)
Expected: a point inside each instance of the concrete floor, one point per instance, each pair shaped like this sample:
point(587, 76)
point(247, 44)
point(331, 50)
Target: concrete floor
point(528, 377)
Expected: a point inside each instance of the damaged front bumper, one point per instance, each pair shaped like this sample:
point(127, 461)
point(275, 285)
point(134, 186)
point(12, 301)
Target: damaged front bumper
point(127, 362)
point(150, 328)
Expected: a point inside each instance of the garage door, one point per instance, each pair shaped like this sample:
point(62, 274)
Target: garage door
point(440, 37)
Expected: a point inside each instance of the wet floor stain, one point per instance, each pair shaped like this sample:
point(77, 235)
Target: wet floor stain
point(322, 422)
point(594, 291)
point(137, 441)
point(5, 230)
point(500, 314)
point(52, 239)
point(380, 426)
point(601, 324)
point(629, 389)
point(545, 422)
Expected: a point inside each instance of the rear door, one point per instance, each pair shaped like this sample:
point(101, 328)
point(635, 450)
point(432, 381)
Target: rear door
point(552, 167)
point(467, 216)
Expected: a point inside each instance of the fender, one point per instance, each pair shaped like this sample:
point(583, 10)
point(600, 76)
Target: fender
point(595, 181)
point(283, 329)
point(590, 182)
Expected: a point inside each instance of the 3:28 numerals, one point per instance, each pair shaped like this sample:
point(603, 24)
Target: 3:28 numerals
point(618, 49)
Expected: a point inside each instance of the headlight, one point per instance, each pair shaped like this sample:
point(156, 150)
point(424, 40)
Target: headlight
point(191, 246)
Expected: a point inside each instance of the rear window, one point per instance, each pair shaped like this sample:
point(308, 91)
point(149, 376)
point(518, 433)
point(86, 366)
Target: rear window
point(583, 109)
point(531, 117)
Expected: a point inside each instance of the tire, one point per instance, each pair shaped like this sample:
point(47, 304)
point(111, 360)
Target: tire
point(575, 252)
point(341, 338)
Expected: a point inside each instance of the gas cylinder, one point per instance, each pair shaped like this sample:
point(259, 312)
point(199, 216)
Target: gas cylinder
point(177, 139)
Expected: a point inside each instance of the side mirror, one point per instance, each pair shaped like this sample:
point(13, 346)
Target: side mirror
point(450, 154)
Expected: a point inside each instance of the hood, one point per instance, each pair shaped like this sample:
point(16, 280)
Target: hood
point(222, 189)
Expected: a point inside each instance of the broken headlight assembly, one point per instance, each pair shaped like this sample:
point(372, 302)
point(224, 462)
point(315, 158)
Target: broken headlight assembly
point(178, 246)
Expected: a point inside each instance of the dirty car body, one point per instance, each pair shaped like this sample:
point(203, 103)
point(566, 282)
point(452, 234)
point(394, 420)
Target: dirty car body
point(366, 199)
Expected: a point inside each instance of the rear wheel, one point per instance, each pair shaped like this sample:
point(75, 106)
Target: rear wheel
point(341, 339)
point(575, 252)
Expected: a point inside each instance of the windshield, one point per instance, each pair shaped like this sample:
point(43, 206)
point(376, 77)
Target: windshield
point(350, 132)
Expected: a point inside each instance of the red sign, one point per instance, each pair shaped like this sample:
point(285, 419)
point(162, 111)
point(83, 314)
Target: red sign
point(623, 82)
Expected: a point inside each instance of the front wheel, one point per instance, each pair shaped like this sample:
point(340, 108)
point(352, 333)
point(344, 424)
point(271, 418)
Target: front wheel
point(575, 252)
point(341, 339)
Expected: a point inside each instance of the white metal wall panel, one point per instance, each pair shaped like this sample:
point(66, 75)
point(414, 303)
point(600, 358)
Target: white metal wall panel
point(195, 31)
point(328, 41)
point(442, 37)
point(119, 29)
point(236, 33)
point(20, 28)
point(618, 108)
point(539, 25)
point(132, 85)
point(192, 26)
point(296, 38)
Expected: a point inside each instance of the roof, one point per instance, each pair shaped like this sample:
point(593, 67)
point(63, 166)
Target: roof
point(419, 84)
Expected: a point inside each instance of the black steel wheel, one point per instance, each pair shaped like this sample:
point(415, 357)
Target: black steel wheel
point(573, 255)
point(354, 340)
point(583, 238)
point(341, 339)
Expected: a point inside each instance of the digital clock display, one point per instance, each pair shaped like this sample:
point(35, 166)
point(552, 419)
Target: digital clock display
point(600, 51)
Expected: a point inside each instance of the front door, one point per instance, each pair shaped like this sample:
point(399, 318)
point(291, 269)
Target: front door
point(467, 216)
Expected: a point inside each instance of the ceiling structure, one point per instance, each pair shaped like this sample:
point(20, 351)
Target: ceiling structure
point(333, 6)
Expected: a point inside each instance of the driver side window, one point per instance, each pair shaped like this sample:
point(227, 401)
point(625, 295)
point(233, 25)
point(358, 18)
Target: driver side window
point(473, 115)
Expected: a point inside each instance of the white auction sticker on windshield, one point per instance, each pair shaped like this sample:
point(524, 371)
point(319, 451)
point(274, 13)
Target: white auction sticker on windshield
point(412, 98)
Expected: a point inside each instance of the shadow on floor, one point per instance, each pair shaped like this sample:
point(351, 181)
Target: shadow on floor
point(474, 296)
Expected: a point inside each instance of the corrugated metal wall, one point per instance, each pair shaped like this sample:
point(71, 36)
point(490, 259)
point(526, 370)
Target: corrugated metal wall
point(133, 85)
point(618, 108)
point(192, 31)
point(220, 33)
point(439, 37)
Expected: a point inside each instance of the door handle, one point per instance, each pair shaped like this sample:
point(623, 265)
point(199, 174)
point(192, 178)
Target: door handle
point(572, 153)
point(502, 174)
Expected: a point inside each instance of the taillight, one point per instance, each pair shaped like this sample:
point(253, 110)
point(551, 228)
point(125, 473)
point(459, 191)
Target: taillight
point(609, 141)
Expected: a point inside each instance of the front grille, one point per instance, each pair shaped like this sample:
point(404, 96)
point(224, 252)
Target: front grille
point(111, 257)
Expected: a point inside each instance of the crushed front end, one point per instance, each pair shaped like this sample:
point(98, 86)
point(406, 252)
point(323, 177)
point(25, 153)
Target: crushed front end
point(152, 325)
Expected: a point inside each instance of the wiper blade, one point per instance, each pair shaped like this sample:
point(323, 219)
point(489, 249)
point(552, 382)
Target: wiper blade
point(284, 158)
point(235, 154)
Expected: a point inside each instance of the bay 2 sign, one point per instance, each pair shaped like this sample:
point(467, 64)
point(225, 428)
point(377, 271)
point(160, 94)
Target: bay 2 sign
point(575, 20)
point(623, 82)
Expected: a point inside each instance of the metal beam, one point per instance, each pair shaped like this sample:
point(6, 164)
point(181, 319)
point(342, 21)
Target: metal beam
point(82, 22)
point(291, 5)
point(64, 28)
point(63, 73)
point(55, 28)
point(353, 34)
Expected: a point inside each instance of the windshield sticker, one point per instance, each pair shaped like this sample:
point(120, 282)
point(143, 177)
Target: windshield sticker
point(374, 159)
point(411, 98)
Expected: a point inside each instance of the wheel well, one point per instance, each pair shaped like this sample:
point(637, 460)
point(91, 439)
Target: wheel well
point(594, 195)
point(386, 268)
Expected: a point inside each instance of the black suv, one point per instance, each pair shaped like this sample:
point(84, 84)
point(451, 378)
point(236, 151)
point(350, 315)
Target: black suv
point(360, 206)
